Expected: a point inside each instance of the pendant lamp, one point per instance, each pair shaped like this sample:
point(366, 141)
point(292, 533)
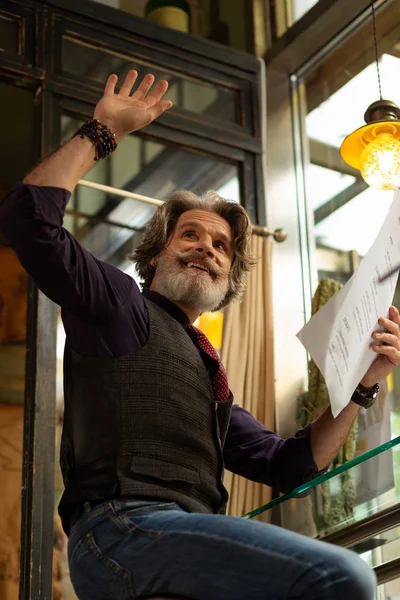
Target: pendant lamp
point(374, 149)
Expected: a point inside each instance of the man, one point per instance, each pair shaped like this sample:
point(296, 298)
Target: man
point(148, 423)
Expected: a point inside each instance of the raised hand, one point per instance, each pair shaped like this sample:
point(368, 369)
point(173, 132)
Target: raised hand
point(124, 113)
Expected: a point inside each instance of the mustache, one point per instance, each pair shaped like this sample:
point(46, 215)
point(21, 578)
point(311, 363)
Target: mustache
point(186, 257)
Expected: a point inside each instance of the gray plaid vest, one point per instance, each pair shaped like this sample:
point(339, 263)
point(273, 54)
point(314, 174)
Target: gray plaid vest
point(144, 426)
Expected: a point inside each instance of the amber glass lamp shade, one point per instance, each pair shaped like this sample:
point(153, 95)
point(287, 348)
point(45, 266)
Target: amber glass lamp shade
point(374, 149)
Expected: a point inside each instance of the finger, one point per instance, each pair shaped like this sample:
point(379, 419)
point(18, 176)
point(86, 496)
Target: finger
point(110, 85)
point(390, 325)
point(128, 84)
point(158, 92)
point(387, 338)
point(391, 353)
point(394, 315)
point(144, 87)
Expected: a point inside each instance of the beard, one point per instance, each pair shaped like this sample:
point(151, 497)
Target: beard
point(188, 285)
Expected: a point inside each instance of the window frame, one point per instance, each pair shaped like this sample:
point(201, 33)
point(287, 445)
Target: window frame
point(307, 44)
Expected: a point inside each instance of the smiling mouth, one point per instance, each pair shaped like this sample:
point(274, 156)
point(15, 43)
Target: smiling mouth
point(198, 267)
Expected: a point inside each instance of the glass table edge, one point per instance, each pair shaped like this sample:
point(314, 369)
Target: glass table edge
point(324, 477)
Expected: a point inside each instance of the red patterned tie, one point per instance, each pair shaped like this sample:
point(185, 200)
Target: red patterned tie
point(219, 380)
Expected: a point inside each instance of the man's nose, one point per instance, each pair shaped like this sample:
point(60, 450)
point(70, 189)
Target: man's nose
point(204, 246)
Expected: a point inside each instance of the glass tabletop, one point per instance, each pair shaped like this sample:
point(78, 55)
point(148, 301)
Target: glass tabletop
point(363, 486)
point(380, 548)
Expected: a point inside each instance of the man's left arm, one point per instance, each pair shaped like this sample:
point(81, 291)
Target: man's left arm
point(254, 452)
point(261, 455)
point(329, 434)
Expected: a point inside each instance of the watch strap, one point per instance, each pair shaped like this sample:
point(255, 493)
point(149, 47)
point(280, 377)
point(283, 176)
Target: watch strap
point(365, 396)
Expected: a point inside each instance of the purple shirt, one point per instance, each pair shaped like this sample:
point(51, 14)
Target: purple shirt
point(104, 315)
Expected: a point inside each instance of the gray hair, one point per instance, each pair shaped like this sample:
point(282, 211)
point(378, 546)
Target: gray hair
point(163, 223)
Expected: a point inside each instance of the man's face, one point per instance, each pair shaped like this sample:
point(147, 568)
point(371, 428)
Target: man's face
point(193, 270)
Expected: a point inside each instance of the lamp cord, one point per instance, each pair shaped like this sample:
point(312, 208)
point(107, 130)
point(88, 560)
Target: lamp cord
point(376, 48)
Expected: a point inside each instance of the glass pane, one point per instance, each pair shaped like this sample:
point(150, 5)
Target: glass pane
point(287, 12)
point(85, 60)
point(300, 7)
point(9, 34)
point(135, 8)
point(347, 213)
point(389, 590)
point(344, 216)
point(62, 586)
point(212, 20)
point(16, 157)
point(348, 494)
point(108, 224)
point(381, 548)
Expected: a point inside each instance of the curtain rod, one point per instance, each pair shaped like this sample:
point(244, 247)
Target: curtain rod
point(279, 235)
point(117, 192)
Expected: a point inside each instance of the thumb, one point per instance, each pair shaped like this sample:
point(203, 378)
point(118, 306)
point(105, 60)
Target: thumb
point(157, 110)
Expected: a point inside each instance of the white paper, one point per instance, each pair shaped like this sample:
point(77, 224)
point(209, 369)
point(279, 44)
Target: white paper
point(338, 336)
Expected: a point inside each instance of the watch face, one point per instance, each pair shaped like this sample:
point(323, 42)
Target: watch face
point(369, 393)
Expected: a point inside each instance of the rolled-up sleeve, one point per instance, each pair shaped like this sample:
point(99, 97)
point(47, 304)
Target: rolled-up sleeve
point(258, 454)
point(31, 219)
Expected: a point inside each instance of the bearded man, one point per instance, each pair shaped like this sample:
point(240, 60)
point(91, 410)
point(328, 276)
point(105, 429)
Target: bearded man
point(149, 424)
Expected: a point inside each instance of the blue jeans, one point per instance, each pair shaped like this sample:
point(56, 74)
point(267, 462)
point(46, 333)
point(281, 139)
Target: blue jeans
point(130, 549)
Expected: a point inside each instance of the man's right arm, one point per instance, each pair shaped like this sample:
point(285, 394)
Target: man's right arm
point(31, 216)
point(31, 220)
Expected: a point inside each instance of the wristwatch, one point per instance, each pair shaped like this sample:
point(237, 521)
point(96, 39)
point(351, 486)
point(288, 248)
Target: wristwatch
point(365, 396)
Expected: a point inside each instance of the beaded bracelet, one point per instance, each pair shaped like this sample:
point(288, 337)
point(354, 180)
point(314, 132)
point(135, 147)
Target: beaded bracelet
point(101, 137)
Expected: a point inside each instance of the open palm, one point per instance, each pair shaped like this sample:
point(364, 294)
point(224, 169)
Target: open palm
point(123, 112)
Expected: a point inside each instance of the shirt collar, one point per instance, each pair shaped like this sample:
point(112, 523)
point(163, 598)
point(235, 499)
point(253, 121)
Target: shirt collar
point(172, 309)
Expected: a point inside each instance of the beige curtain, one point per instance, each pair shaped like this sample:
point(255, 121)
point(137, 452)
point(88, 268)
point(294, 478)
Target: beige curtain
point(247, 353)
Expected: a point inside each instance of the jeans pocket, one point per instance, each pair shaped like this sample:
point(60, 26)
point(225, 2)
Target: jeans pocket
point(97, 576)
point(131, 518)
